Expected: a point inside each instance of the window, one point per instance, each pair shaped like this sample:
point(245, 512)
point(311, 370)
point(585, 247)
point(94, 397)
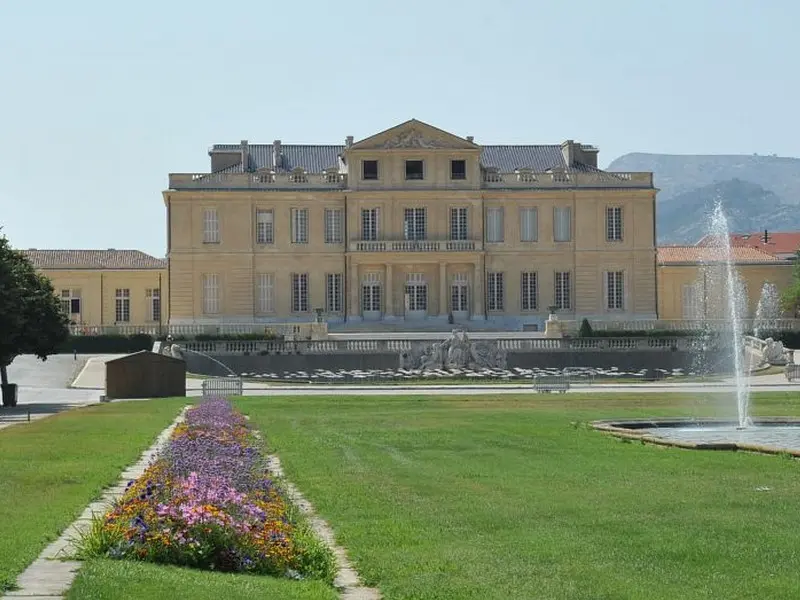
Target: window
point(369, 224)
point(71, 302)
point(122, 305)
point(415, 169)
point(416, 292)
point(265, 292)
point(369, 169)
point(528, 225)
point(458, 169)
point(154, 303)
point(299, 225)
point(333, 292)
point(414, 224)
point(210, 294)
point(265, 227)
point(333, 225)
point(371, 293)
point(529, 285)
point(210, 226)
point(562, 224)
point(692, 301)
point(299, 292)
point(494, 225)
point(615, 290)
point(614, 224)
point(494, 292)
point(562, 291)
point(459, 293)
point(458, 224)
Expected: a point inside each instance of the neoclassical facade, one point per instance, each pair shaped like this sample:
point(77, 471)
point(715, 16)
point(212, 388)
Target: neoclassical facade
point(409, 225)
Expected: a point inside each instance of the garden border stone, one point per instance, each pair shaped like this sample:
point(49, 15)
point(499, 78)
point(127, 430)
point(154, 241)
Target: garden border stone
point(52, 573)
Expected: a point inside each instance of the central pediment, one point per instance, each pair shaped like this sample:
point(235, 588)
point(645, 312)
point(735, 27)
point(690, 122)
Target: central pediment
point(414, 134)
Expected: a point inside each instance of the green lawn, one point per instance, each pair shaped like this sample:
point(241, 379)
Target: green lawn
point(512, 497)
point(52, 468)
point(127, 580)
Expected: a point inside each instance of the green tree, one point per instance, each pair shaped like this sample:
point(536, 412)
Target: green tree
point(31, 318)
point(790, 298)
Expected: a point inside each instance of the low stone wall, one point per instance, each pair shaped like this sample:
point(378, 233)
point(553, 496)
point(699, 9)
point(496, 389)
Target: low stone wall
point(629, 361)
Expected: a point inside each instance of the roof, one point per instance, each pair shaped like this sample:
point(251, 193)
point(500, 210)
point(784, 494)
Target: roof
point(93, 259)
point(692, 255)
point(317, 158)
point(778, 242)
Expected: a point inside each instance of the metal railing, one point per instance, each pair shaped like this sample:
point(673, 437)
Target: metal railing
point(222, 387)
point(415, 245)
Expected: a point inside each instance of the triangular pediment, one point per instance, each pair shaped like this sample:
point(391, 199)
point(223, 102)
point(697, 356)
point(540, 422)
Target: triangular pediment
point(414, 134)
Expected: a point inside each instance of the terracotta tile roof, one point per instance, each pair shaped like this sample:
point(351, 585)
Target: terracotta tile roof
point(93, 259)
point(676, 255)
point(779, 242)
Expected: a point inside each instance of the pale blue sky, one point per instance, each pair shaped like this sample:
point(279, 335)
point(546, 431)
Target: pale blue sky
point(99, 101)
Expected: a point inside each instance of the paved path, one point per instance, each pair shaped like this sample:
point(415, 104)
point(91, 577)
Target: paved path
point(43, 388)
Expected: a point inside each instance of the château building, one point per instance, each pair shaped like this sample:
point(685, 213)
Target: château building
point(410, 225)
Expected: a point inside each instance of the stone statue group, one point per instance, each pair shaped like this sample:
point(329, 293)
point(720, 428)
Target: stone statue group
point(456, 352)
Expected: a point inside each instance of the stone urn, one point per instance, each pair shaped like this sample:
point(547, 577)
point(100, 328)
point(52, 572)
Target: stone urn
point(552, 327)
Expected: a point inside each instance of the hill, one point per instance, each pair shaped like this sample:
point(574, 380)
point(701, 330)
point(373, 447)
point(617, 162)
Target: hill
point(683, 218)
point(676, 174)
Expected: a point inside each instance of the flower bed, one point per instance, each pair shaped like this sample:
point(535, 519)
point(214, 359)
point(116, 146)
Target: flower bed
point(208, 502)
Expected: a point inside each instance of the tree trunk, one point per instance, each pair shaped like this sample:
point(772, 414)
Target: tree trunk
point(3, 376)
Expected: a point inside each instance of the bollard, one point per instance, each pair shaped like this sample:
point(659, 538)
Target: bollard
point(74, 355)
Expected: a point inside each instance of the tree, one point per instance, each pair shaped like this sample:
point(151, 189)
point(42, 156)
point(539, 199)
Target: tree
point(790, 298)
point(31, 318)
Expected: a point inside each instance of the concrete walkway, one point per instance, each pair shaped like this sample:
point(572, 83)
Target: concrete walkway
point(43, 388)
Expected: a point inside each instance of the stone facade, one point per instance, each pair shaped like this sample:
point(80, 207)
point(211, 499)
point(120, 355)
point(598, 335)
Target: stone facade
point(410, 225)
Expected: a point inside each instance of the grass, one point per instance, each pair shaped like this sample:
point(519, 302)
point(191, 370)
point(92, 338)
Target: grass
point(513, 497)
point(52, 468)
point(127, 580)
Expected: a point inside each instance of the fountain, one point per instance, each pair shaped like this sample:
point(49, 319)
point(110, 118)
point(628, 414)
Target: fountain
point(725, 287)
point(723, 297)
point(768, 310)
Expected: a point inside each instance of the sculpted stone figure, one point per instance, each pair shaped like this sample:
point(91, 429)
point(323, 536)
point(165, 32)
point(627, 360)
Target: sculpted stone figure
point(774, 352)
point(456, 352)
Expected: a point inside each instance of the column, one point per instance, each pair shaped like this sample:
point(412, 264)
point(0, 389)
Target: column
point(353, 302)
point(389, 292)
point(477, 293)
point(442, 290)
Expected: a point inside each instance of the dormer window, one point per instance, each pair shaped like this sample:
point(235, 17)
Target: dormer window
point(369, 170)
point(458, 169)
point(492, 175)
point(415, 169)
point(298, 175)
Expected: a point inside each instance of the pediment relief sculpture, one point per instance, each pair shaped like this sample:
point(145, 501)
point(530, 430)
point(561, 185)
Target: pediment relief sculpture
point(413, 138)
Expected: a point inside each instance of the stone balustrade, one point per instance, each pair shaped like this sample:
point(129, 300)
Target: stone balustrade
point(415, 245)
point(238, 347)
point(267, 180)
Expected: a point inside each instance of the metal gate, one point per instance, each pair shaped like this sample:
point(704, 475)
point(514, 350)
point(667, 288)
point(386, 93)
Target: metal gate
point(222, 387)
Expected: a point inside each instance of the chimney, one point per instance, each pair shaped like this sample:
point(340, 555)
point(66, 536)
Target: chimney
point(470, 139)
point(765, 239)
point(245, 155)
point(348, 141)
point(568, 151)
point(277, 159)
point(575, 152)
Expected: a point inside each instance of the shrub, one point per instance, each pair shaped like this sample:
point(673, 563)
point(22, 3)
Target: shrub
point(586, 329)
point(208, 502)
point(107, 344)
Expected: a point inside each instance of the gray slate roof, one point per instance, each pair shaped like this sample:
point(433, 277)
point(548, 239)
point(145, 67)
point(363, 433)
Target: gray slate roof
point(93, 259)
point(317, 158)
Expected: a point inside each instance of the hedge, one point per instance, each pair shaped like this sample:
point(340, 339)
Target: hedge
point(125, 344)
